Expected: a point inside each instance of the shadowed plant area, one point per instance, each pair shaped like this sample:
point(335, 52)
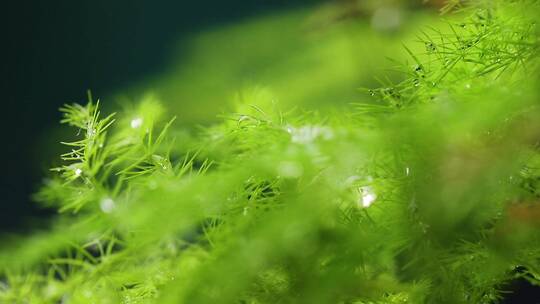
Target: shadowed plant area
point(285, 159)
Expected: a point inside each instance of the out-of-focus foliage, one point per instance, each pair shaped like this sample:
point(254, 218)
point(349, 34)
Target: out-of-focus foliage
point(313, 58)
point(428, 193)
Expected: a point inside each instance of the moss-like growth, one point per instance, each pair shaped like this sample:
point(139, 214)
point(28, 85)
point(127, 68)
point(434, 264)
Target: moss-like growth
point(428, 194)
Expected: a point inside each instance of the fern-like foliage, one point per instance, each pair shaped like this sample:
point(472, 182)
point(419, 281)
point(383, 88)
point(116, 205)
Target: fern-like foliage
point(429, 194)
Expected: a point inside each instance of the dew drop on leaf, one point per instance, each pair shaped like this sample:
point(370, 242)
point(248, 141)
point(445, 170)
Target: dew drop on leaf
point(136, 123)
point(107, 205)
point(368, 196)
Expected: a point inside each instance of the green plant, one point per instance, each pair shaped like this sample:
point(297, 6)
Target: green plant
point(430, 194)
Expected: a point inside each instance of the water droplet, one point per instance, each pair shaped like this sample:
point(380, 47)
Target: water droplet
point(407, 171)
point(431, 47)
point(78, 172)
point(107, 205)
point(307, 134)
point(367, 196)
point(290, 129)
point(161, 161)
point(392, 93)
point(136, 123)
point(242, 118)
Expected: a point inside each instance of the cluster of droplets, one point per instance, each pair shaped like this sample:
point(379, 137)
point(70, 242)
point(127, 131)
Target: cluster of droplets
point(419, 74)
point(161, 162)
point(309, 133)
point(430, 47)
